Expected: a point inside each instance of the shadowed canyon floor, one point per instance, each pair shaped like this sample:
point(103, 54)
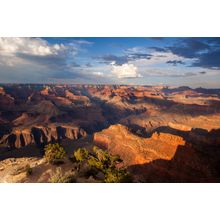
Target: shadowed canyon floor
point(163, 134)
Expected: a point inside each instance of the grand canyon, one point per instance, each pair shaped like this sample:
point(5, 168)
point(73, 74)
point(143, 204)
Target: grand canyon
point(161, 133)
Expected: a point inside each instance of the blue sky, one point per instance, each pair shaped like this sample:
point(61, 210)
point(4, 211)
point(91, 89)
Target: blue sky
point(191, 62)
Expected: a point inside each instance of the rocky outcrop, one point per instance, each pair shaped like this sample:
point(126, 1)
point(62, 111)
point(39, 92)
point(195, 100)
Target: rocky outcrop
point(163, 157)
point(45, 91)
point(169, 138)
point(180, 127)
point(39, 135)
point(76, 98)
point(6, 100)
point(45, 107)
point(137, 150)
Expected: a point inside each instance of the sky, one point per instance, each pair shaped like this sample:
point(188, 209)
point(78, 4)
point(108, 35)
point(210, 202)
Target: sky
point(193, 62)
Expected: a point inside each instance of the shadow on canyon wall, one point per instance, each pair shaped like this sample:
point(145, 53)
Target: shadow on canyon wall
point(27, 151)
point(187, 166)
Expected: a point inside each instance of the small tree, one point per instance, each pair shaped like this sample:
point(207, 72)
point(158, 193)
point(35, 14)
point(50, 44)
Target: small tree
point(117, 176)
point(54, 153)
point(107, 164)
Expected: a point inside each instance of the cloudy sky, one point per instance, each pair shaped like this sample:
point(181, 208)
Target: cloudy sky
point(191, 62)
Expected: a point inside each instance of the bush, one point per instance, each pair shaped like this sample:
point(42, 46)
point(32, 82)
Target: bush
point(81, 154)
point(107, 164)
point(29, 170)
point(54, 153)
point(99, 165)
point(60, 177)
point(95, 163)
point(117, 176)
point(107, 160)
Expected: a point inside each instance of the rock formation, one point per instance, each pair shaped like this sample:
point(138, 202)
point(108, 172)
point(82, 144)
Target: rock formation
point(39, 135)
point(134, 149)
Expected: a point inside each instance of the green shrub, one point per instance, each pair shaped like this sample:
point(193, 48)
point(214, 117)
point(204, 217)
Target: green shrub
point(95, 163)
point(107, 164)
point(81, 154)
point(60, 177)
point(117, 176)
point(101, 155)
point(107, 160)
point(54, 153)
point(98, 164)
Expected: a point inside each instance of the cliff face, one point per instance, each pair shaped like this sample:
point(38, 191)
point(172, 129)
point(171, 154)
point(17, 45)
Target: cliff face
point(41, 135)
point(163, 157)
point(6, 100)
point(134, 149)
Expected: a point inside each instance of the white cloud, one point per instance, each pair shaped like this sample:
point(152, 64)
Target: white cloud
point(32, 46)
point(15, 51)
point(125, 71)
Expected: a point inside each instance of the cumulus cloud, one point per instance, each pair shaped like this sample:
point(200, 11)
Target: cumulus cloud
point(15, 51)
point(32, 46)
point(125, 71)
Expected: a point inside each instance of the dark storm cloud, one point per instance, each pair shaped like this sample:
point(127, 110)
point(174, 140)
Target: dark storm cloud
point(189, 48)
point(186, 47)
point(205, 51)
point(210, 60)
point(119, 60)
point(175, 62)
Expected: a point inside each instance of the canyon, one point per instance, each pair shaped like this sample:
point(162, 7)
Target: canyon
point(162, 134)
